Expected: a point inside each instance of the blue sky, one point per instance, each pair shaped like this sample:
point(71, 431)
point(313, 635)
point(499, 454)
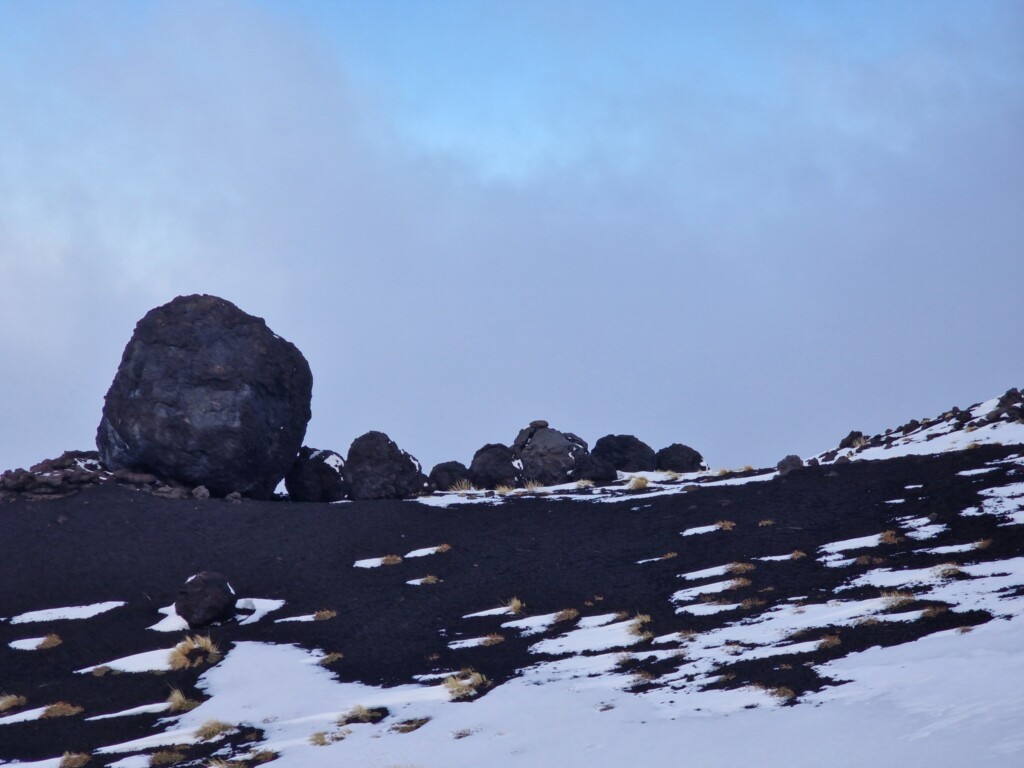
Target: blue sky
point(749, 227)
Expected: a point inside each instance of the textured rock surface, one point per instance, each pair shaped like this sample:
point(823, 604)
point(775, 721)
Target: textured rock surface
point(207, 395)
point(316, 476)
point(495, 465)
point(378, 469)
point(625, 452)
point(548, 456)
point(595, 469)
point(679, 458)
point(789, 463)
point(448, 473)
point(206, 597)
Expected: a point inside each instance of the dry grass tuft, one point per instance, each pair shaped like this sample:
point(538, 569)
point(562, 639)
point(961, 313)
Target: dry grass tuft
point(896, 599)
point(166, 757)
point(584, 484)
point(983, 544)
point(725, 525)
point(465, 684)
point(638, 483)
point(408, 726)
point(568, 614)
point(179, 702)
point(52, 640)
point(211, 729)
point(638, 627)
point(10, 701)
point(461, 486)
point(217, 762)
point(443, 548)
point(324, 614)
point(797, 554)
point(765, 523)
point(361, 714)
point(515, 605)
point(739, 583)
point(671, 475)
point(331, 658)
point(964, 629)
point(669, 555)
point(686, 634)
point(747, 468)
point(429, 579)
point(503, 490)
point(828, 641)
point(493, 639)
point(533, 485)
point(751, 602)
point(740, 568)
point(391, 560)
point(264, 756)
point(194, 651)
point(74, 760)
point(867, 621)
point(934, 610)
point(723, 472)
point(890, 537)
point(782, 692)
point(61, 709)
point(102, 670)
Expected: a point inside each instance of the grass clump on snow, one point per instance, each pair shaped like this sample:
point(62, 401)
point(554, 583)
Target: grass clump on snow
point(331, 658)
point(828, 641)
point(74, 760)
point(179, 702)
point(466, 684)
point(896, 599)
point(52, 640)
point(638, 627)
point(503, 490)
point(461, 486)
point(194, 651)
point(10, 701)
point(890, 537)
point(324, 614)
point(211, 729)
point(361, 714)
point(736, 568)
point(408, 726)
point(515, 605)
point(166, 757)
point(725, 525)
point(568, 614)
point(391, 560)
point(638, 483)
point(797, 554)
point(493, 639)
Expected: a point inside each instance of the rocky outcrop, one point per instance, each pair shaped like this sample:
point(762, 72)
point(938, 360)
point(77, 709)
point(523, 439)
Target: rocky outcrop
point(679, 458)
point(205, 598)
point(448, 474)
point(495, 465)
point(207, 395)
point(594, 469)
point(378, 469)
point(626, 453)
point(789, 463)
point(548, 457)
point(316, 476)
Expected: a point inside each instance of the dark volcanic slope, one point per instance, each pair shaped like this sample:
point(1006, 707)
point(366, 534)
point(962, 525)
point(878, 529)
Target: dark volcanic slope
point(111, 543)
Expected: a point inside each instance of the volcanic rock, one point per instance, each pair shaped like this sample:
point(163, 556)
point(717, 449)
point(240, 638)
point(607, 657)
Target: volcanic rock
point(379, 469)
point(626, 453)
point(206, 597)
point(595, 469)
point(679, 458)
point(447, 474)
point(548, 456)
point(207, 395)
point(316, 476)
point(789, 463)
point(495, 464)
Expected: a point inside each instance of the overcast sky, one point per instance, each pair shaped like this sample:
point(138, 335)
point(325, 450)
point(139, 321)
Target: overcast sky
point(745, 226)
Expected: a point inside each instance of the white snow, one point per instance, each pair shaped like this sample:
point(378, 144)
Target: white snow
point(501, 610)
point(171, 622)
point(73, 612)
point(143, 710)
point(699, 530)
point(147, 661)
point(858, 543)
point(28, 644)
point(21, 717)
point(423, 552)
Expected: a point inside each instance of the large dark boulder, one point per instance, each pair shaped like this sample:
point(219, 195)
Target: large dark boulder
point(495, 465)
point(625, 452)
point(595, 469)
point(679, 458)
point(548, 456)
point(447, 474)
point(789, 463)
point(206, 597)
point(316, 476)
point(378, 469)
point(207, 395)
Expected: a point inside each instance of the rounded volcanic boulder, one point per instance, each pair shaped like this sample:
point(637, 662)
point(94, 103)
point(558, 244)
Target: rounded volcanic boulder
point(493, 465)
point(446, 475)
point(625, 452)
point(595, 469)
point(378, 469)
point(679, 458)
point(206, 597)
point(316, 476)
point(548, 456)
point(207, 395)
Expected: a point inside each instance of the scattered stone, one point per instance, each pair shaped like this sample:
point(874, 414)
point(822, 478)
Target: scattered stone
point(495, 464)
point(853, 440)
point(233, 498)
point(316, 476)
point(207, 395)
point(200, 492)
point(789, 463)
point(379, 469)
point(626, 453)
point(205, 598)
point(679, 458)
point(447, 474)
point(548, 456)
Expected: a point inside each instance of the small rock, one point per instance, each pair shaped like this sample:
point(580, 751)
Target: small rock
point(233, 498)
point(200, 492)
point(789, 463)
point(205, 598)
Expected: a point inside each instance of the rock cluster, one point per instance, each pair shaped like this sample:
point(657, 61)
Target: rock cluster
point(207, 395)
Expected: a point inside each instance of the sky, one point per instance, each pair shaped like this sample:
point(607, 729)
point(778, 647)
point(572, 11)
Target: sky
point(749, 227)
